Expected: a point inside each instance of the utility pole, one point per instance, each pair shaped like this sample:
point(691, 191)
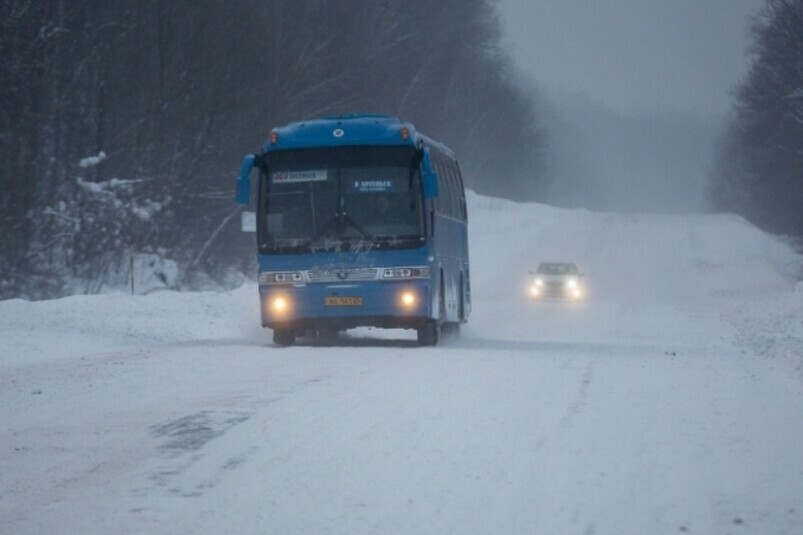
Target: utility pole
point(129, 240)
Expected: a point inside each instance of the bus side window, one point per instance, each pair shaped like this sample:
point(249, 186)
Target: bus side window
point(440, 200)
point(451, 189)
point(432, 211)
point(455, 191)
point(445, 194)
point(462, 191)
point(461, 194)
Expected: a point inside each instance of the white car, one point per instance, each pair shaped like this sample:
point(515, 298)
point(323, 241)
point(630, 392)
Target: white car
point(557, 280)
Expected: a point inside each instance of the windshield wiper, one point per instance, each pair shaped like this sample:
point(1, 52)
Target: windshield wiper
point(323, 230)
point(359, 228)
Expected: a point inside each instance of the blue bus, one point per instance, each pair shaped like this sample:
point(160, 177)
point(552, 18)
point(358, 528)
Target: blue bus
point(361, 221)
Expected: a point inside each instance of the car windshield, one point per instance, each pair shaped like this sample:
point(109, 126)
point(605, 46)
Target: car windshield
point(340, 198)
point(554, 268)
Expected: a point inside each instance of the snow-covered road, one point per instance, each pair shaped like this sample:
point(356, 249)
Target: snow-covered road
point(670, 402)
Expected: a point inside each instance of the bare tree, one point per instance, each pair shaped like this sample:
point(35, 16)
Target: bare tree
point(759, 170)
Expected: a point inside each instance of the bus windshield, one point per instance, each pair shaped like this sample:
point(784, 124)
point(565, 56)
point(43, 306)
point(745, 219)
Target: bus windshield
point(343, 198)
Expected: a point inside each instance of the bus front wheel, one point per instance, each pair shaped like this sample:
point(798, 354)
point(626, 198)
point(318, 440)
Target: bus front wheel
point(284, 336)
point(428, 333)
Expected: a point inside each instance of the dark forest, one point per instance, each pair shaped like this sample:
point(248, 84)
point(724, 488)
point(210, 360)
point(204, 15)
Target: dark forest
point(759, 162)
point(123, 123)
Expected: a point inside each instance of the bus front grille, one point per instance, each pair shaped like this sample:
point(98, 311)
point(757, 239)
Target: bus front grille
point(347, 274)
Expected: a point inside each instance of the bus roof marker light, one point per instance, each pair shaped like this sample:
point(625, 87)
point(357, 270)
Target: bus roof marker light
point(405, 133)
point(274, 137)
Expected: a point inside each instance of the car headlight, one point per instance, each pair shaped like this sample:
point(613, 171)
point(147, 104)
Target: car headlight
point(571, 283)
point(539, 282)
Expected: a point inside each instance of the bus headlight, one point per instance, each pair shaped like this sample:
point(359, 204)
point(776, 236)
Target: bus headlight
point(571, 283)
point(279, 305)
point(408, 299)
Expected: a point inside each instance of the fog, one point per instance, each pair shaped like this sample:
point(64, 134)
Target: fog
point(614, 161)
point(637, 93)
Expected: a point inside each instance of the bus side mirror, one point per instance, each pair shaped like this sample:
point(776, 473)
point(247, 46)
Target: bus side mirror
point(243, 195)
point(429, 175)
point(248, 221)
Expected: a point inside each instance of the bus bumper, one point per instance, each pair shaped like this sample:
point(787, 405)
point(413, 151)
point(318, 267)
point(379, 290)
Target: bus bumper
point(391, 304)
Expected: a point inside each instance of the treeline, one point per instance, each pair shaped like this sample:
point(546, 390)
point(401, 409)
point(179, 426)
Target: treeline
point(759, 163)
point(123, 123)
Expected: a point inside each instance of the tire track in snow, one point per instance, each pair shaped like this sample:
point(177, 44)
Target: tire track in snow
point(579, 402)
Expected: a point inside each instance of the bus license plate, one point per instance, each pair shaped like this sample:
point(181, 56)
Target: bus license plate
point(342, 301)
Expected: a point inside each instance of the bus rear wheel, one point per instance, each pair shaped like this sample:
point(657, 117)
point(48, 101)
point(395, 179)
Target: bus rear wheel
point(450, 330)
point(284, 336)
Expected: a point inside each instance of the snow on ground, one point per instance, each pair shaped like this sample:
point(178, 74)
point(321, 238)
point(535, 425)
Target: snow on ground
point(669, 402)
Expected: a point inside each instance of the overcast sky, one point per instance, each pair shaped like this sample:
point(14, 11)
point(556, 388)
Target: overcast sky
point(633, 55)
